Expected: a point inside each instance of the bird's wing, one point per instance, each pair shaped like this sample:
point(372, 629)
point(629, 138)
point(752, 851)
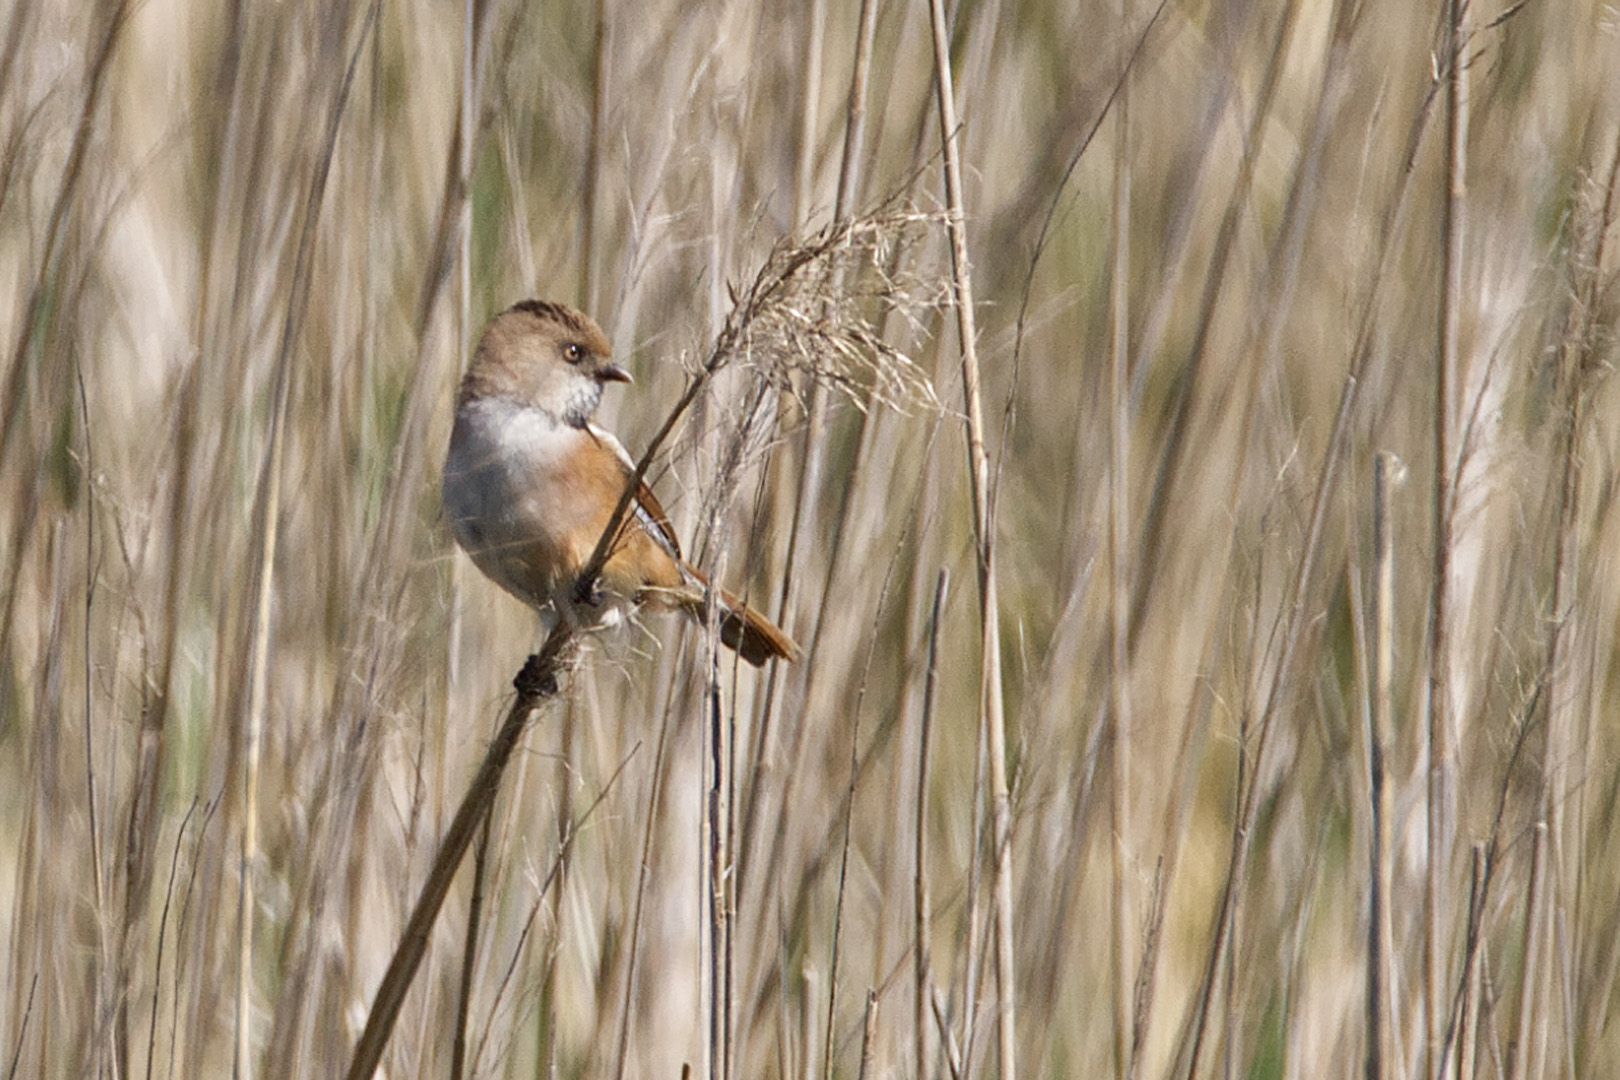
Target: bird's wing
point(648, 510)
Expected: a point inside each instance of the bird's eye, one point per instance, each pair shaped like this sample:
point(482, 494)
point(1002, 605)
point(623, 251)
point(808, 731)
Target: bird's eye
point(574, 353)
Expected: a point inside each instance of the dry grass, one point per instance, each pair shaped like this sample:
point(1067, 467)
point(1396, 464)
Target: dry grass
point(249, 247)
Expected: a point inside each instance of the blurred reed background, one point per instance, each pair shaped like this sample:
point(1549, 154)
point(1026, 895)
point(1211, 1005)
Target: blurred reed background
point(1248, 692)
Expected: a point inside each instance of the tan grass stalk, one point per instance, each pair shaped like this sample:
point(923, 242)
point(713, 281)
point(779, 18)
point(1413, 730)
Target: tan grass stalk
point(718, 879)
point(1583, 347)
point(1533, 971)
point(268, 513)
point(869, 1035)
point(593, 160)
point(1437, 899)
point(947, 1037)
point(101, 965)
point(806, 502)
point(637, 925)
point(108, 33)
point(1379, 1051)
point(921, 950)
point(992, 719)
point(1218, 279)
point(1471, 1003)
point(469, 953)
point(162, 938)
point(848, 815)
point(22, 1029)
point(464, 331)
point(808, 997)
point(465, 135)
point(259, 667)
point(563, 778)
point(1391, 220)
point(1124, 950)
point(813, 34)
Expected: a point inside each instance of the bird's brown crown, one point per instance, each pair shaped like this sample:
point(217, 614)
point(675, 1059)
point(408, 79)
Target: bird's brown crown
point(571, 320)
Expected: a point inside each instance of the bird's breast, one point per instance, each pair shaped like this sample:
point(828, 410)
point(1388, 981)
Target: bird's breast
point(513, 497)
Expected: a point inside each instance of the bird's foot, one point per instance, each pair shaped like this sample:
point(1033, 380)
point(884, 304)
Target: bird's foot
point(588, 591)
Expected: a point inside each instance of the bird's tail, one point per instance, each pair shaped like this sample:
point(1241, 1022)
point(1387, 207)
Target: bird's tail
point(754, 637)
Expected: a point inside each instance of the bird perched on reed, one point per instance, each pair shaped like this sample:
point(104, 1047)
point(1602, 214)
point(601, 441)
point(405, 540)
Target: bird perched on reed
point(530, 486)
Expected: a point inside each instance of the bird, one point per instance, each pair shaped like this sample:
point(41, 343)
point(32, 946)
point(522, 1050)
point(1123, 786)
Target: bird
point(530, 485)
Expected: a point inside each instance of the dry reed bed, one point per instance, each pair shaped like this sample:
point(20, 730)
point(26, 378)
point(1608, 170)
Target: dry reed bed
point(248, 250)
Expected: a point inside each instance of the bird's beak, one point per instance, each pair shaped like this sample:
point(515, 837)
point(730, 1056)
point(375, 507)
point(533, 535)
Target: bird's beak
point(613, 373)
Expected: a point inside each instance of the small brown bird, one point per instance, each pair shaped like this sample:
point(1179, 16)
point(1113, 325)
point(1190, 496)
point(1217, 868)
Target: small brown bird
point(530, 485)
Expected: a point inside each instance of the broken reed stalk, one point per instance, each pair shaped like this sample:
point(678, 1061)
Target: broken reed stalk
point(992, 719)
point(869, 1035)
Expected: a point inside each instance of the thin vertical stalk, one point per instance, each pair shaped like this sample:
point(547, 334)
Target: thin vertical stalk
point(717, 894)
point(808, 995)
point(797, 498)
point(849, 168)
point(268, 534)
point(804, 511)
point(12, 396)
point(1386, 472)
point(556, 910)
point(1530, 974)
point(1438, 718)
point(1124, 936)
point(869, 1035)
point(804, 176)
point(922, 956)
point(99, 967)
point(1565, 797)
point(593, 163)
point(992, 720)
point(464, 144)
point(255, 727)
point(655, 791)
point(803, 527)
point(22, 1030)
point(144, 823)
point(464, 141)
point(1468, 1020)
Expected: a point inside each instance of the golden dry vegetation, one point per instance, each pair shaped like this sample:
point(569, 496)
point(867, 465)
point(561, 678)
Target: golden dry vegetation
point(1305, 774)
